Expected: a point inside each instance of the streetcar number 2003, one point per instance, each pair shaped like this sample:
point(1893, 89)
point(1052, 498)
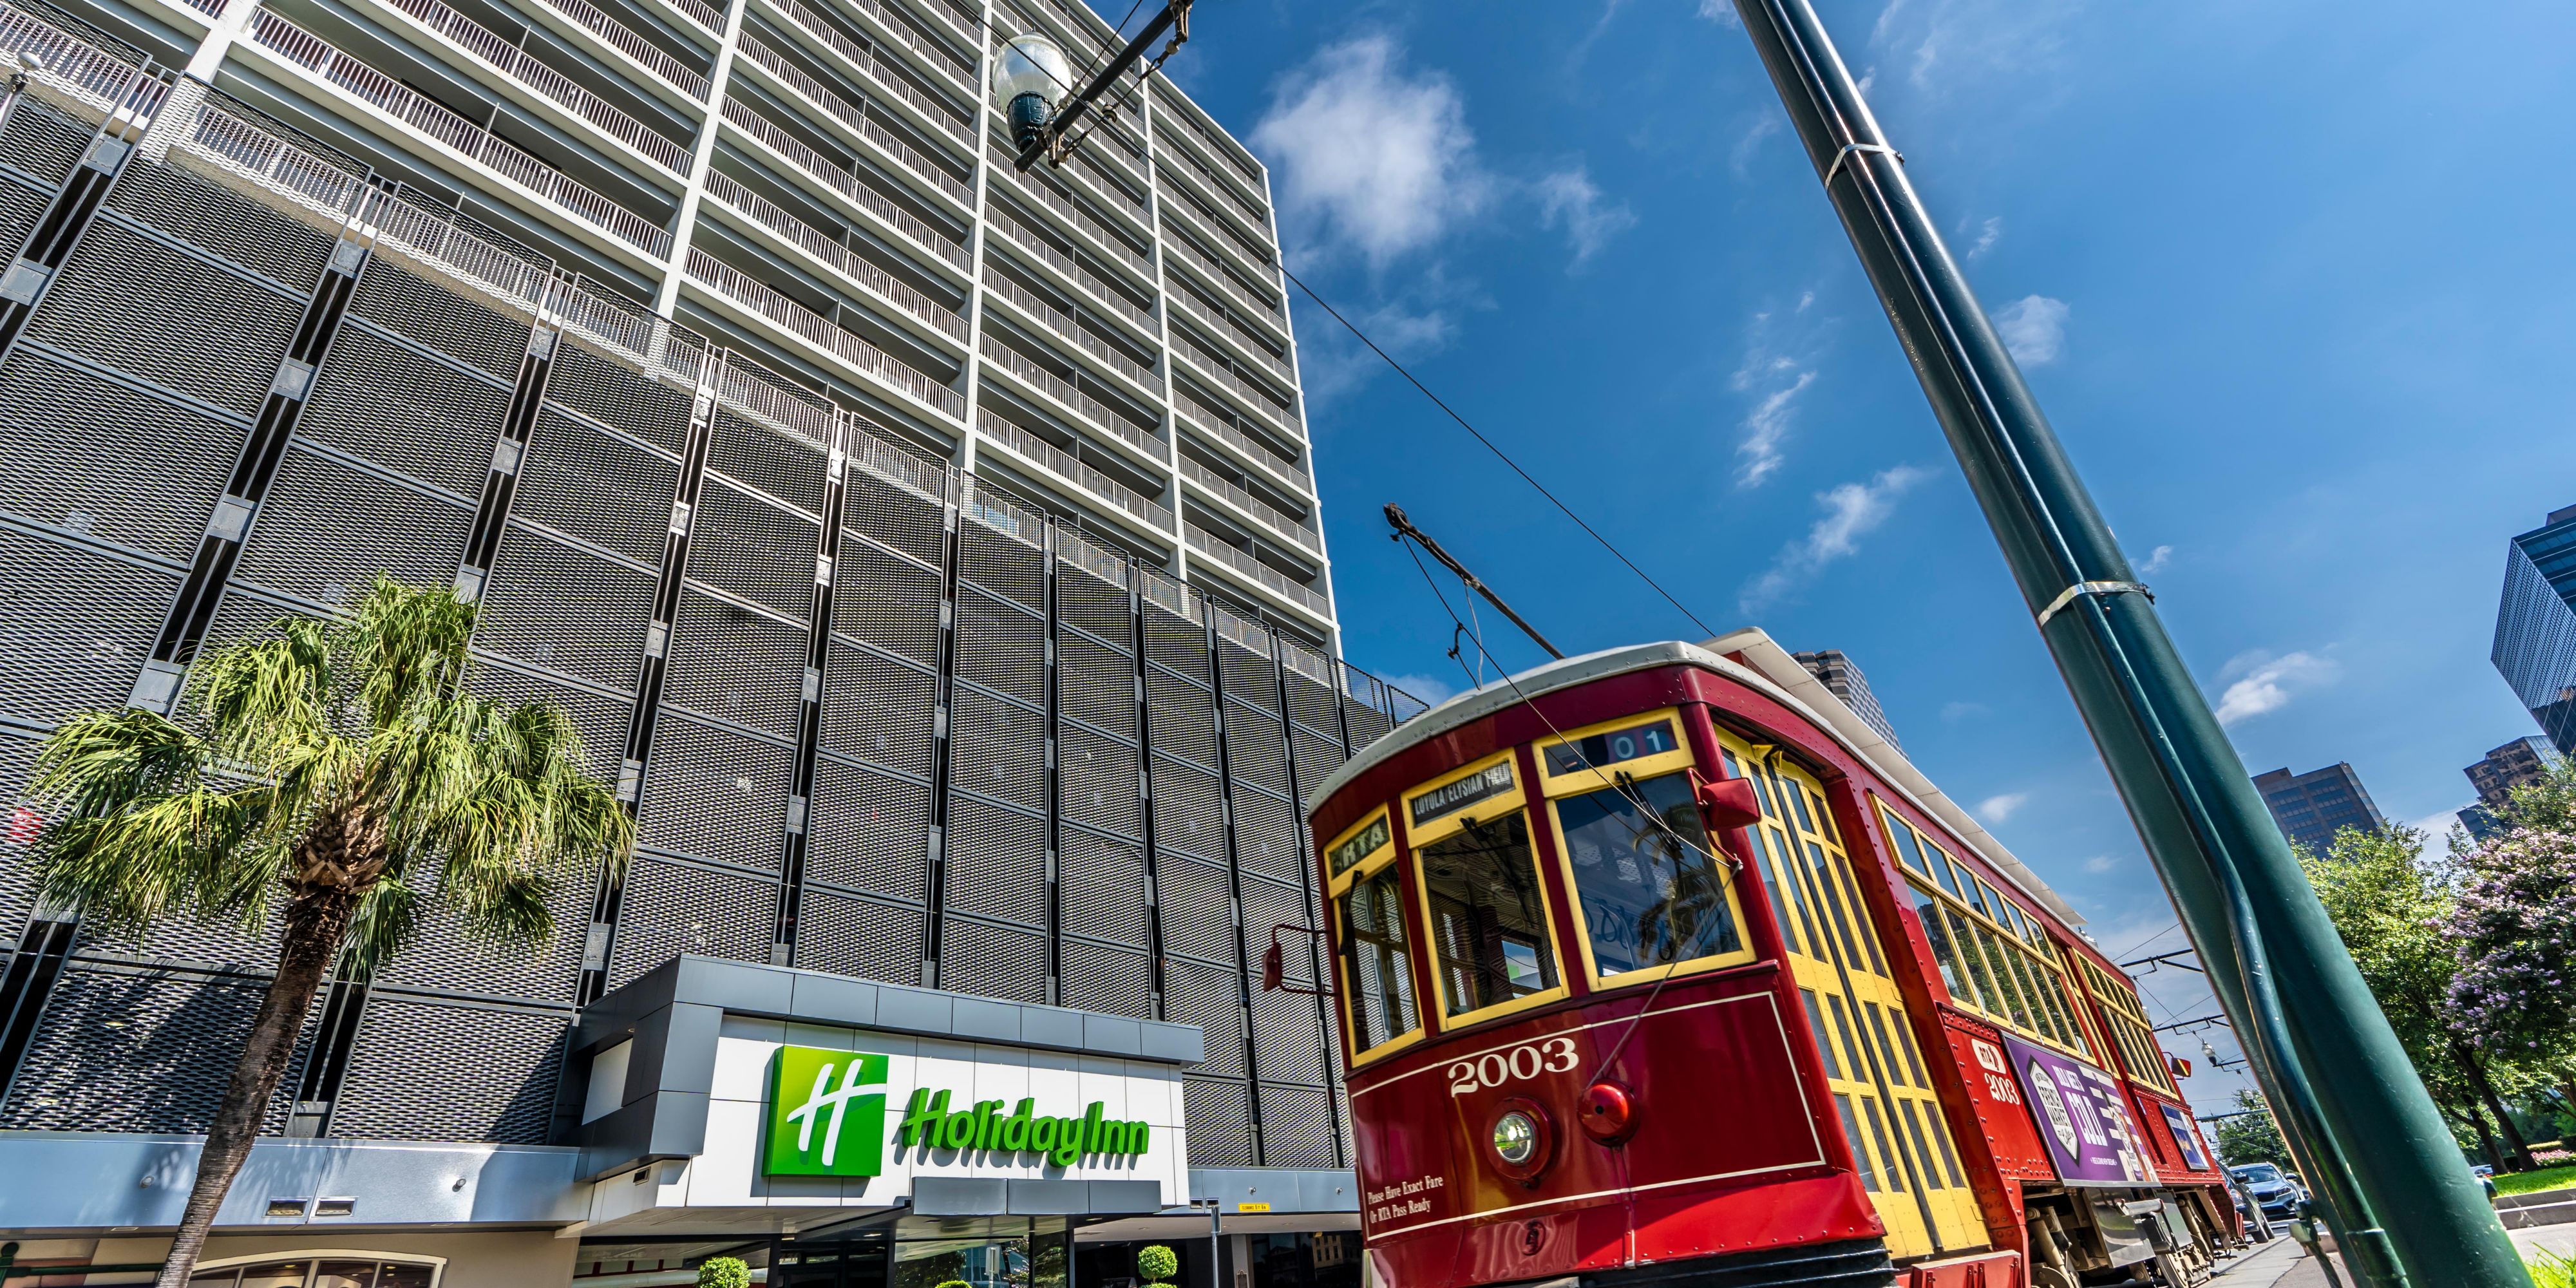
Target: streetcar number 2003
point(1519, 1064)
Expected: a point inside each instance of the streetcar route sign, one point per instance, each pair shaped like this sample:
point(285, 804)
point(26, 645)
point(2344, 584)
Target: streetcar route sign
point(2083, 1119)
point(1450, 797)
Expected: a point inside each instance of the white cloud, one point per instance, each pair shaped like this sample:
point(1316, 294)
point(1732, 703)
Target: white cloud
point(1764, 427)
point(1776, 369)
point(2262, 683)
point(1960, 43)
point(1963, 710)
point(1372, 155)
point(1430, 688)
point(1852, 511)
point(1721, 12)
point(1571, 199)
point(2100, 863)
point(1766, 123)
point(2033, 328)
point(1995, 809)
point(1988, 234)
point(1332, 364)
point(2156, 560)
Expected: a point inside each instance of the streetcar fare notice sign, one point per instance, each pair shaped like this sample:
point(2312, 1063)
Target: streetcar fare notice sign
point(2083, 1118)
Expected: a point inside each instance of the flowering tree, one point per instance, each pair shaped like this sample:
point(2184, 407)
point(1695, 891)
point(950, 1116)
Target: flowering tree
point(2514, 928)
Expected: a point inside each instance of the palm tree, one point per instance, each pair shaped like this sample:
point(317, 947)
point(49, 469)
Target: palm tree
point(336, 775)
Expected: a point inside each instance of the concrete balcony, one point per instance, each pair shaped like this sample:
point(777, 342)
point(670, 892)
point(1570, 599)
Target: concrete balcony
point(1256, 266)
point(786, 319)
point(1069, 403)
point(802, 243)
point(1169, 110)
point(1137, 380)
point(1237, 338)
point(1171, 162)
point(1266, 312)
point(1260, 404)
point(848, 194)
point(1206, 546)
point(525, 181)
point(927, 55)
point(1074, 277)
point(617, 45)
point(1072, 218)
point(510, 70)
point(849, 121)
point(1249, 509)
point(1207, 425)
point(822, 38)
point(1074, 471)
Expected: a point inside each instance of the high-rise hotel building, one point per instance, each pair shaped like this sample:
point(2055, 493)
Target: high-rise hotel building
point(928, 552)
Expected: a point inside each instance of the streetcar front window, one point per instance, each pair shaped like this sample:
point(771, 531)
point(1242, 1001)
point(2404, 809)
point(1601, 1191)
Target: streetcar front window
point(1379, 978)
point(1645, 876)
point(1489, 927)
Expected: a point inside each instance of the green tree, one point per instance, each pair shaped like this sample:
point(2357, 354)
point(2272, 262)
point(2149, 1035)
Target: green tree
point(1157, 1264)
point(724, 1272)
point(2393, 913)
point(336, 776)
point(2251, 1136)
point(2515, 929)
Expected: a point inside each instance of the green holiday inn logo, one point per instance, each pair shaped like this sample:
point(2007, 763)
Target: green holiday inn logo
point(827, 1117)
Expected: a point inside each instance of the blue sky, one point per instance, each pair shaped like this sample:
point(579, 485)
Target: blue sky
point(2289, 279)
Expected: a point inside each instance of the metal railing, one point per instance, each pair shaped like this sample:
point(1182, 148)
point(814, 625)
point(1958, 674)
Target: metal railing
point(1101, 293)
point(1224, 282)
point(619, 36)
point(1257, 263)
point(521, 66)
point(816, 165)
point(1072, 468)
point(91, 74)
point(821, 332)
point(1080, 220)
point(1174, 111)
point(700, 13)
point(1063, 326)
point(874, 280)
point(868, 65)
point(854, 117)
point(1269, 515)
point(1264, 403)
point(319, 57)
point(1203, 542)
point(1203, 178)
point(1223, 324)
point(210, 8)
point(1219, 426)
point(933, 53)
point(1085, 408)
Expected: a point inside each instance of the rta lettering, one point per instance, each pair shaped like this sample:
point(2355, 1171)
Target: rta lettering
point(1065, 1141)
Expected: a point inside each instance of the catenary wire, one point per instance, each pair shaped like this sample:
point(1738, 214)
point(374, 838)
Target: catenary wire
point(1498, 452)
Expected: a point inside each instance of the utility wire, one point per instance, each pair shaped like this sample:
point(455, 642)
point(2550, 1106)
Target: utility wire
point(1498, 452)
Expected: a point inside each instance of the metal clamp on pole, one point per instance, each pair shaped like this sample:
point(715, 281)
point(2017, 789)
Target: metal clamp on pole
point(1850, 148)
point(2068, 595)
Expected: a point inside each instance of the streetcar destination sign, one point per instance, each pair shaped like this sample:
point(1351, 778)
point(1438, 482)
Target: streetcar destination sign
point(1602, 750)
point(1449, 798)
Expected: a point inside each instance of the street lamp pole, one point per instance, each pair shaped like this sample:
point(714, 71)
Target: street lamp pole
point(2401, 1202)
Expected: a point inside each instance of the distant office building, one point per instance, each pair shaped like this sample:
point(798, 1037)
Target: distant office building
point(2313, 806)
point(1836, 669)
point(2521, 761)
point(2535, 637)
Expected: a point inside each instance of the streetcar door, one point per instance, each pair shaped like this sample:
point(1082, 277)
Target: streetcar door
point(1881, 1089)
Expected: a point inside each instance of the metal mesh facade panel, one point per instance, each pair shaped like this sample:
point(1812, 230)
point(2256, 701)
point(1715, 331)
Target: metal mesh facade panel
point(398, 408)
point(396, 299)
point(1270, 904)
point(445, 957)
point(1098, 781)
point(997, 749)
point(1001, 563)
point(169, 317)
point(1287, 1036)
point(1256, 748)
point(1096, 685)
point(1001, 647)
point(326, 529)
point(1103, 888)
point(602, 719)
point(1188, 811)
point(287, 251)
point(1317, 757)
point(1220, 1122)
point(715, 794)
point(1297, 1128)
point(735, 665)
point(754, 549)
point(1176, 642)
point(1311, 704)
point(886, 600)
point(597, 487)
point(672, 908)
point(897, 516)
point(184, 939)
point(617, 395)
point(1098, 977)
point(1249, 677)
point(549, 605)
point(1367, 724)
point(1265, 836)
point(426, 1071)
point(997, 863)
point(17, 824)
point(1182, 718)
point(1086, 600)
point(992, 961)
point(120, 1051)
point(41, 145)
point(857, 937)
point(1211, 997)
point(75, 626)
point(90, 456)
point(878, 709)
point(869, 832)
point(1197, 903)
point(788, 469)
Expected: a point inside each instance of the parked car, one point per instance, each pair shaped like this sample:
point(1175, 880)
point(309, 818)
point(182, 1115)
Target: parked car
point(2276, 1192)
point(2485, 1172)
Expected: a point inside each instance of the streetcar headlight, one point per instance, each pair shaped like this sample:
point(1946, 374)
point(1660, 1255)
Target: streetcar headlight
point(1516, 1137)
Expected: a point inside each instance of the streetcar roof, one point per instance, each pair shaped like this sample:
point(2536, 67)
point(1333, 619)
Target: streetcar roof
point(1767, 668)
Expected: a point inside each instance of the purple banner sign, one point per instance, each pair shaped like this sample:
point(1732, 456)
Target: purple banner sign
point(2083, 1118)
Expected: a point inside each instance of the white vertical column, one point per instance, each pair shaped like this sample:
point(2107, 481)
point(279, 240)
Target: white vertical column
point(971, 372)
point(1305, 431)
point(1163, 333)
point(702, 160)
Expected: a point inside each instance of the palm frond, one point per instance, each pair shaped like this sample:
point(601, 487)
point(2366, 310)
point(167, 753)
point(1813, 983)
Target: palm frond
point(387, 920)
point(268, 693)
point(202, 850)
point(408, 647)
point(98, 762)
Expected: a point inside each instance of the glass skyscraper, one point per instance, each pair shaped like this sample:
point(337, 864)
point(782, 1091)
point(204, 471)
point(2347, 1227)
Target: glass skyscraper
point(2535, 636)
point(2313, 806)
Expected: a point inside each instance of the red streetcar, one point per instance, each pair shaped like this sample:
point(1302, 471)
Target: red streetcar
point(1658, 965)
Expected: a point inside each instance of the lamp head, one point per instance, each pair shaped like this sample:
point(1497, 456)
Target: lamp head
point(1029, 78)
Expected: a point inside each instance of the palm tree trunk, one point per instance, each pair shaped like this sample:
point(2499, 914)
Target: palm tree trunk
point(316, 921)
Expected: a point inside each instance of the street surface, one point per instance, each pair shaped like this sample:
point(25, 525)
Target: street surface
point(2284, 1264)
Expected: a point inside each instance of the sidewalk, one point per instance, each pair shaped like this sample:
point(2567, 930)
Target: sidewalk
point(2284, 1264)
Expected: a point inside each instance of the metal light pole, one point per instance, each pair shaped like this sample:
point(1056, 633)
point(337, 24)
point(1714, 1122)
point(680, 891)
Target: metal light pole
point(2398, 1196)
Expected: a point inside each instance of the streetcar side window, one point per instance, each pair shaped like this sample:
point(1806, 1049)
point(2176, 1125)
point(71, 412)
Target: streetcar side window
point(1940, 861)
point(1938, 932)
point(1859, 1146)
point(1824, 1043)
point(1488, 917)
point(1903, 836)
point(1378, 974)
point(1645, 878)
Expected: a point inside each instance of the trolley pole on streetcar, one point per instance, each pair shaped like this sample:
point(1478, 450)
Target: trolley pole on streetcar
point(2395, 1191)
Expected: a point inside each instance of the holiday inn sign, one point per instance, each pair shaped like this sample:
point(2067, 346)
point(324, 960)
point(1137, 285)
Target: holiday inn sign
point(827, 1114)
